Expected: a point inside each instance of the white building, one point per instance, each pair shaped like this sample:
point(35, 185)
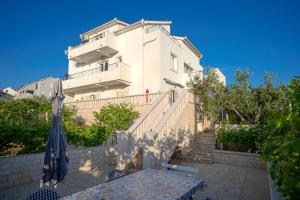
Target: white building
point(119, 59)
point(10, 91)
point(4, 95)
point(42, 87)
point(221, 76)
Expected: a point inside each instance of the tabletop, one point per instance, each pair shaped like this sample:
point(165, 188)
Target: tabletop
point(148, 184)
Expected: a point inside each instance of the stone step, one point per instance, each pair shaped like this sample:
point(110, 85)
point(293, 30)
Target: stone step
point(205, 138)
point(202, 148)
point(204, 142)
point(206, 135)
point(197, 159)
point(197, 144)
point(200, 153)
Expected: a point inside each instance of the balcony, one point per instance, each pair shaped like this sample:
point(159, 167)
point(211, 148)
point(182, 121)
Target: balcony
point(98, 79)
point(102, 46)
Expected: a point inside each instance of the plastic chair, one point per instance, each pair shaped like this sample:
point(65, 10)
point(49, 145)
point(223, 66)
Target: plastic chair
point(114, 174)
point(44, 194)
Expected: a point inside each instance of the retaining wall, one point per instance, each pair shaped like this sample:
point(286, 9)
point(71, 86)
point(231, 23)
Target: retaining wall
point(22, 169)
point(238, 158)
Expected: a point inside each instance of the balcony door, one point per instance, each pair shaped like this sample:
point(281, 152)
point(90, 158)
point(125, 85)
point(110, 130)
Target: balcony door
point(104, 66)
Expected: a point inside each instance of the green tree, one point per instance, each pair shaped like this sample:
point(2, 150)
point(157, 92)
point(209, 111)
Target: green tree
point(280, 143)
point(254, 105)
point(210, 93)
point(24, 125)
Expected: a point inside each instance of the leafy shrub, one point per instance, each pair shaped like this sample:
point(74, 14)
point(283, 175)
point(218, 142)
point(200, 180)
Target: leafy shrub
point(112, 118)
point(243, 139)
point(25, 110)
point(280, 144)
point(25, 125)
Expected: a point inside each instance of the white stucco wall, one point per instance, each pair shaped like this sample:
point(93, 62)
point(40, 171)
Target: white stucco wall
point(148, 53)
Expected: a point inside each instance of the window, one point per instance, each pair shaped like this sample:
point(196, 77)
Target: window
point(174, 62)
point(36, 86)
point(172, 96)
point(104, 66)
point(120, 59)
point(187, 69)
point(79, 65)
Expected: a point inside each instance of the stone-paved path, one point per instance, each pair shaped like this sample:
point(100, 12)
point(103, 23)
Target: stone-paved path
point(226, 182)
point(229, 182)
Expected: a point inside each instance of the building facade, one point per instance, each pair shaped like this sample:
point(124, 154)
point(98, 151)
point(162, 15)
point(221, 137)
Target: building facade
point(4, 95)
point(9, 90)
point(118, 59)
point(42, 87)
point(221, 76)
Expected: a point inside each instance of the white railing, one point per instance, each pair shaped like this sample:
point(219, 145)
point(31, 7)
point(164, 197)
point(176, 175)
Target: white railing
point(93, 71)
point(170, 130)
point(97, 37)
point(141, 99)
point(158, 131)
point(157, 27)
point(174, 129)
point(131, 140)
point(147, 119)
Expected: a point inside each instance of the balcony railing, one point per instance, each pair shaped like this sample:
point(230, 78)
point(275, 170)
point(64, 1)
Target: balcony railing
point(102, 45)
point(90, 72)
point(97, 37)
point(156, 27)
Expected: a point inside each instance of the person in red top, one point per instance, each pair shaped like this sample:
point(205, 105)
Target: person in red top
point(147, 95)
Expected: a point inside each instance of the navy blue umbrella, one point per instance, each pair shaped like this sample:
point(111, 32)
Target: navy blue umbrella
point(56, 158)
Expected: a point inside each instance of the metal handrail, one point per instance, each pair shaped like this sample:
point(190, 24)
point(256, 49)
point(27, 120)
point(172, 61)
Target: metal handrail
point(96, 70)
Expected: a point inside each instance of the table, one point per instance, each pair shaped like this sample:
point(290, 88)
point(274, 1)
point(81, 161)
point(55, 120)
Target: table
point(148, 184)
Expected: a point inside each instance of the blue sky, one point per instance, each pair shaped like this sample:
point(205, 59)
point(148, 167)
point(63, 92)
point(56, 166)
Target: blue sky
point(255, 35)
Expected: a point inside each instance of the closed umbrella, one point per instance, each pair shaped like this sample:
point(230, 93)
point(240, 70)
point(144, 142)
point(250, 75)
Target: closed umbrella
point(56, 159)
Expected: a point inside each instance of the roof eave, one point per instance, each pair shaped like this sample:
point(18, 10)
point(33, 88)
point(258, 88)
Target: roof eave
point(140, 23)
point(189, 44)
point(104, 26)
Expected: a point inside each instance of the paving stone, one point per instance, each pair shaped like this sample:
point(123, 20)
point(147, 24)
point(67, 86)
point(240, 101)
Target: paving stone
point(224, 182)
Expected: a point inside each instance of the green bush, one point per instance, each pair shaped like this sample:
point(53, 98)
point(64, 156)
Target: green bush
point(112, 118)
point(26, 123)
point(280, 144)
point(243, 139)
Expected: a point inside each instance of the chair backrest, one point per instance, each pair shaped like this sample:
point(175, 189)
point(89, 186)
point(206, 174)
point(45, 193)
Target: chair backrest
point(167, 166)
point(44, 194)
point(114, 174)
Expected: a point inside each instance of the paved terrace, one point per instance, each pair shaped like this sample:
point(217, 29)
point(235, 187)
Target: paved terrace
point(224, 182)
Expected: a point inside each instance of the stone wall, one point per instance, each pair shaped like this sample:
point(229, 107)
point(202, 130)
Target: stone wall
point(238, 158)
point(85, 109)
point(22, 169)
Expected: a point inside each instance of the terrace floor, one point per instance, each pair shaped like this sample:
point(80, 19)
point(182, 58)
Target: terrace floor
point(224, 182)
point(230, 182)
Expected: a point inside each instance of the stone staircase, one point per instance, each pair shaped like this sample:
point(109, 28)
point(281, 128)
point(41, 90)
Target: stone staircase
point(201, 149)
point(153, 137)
